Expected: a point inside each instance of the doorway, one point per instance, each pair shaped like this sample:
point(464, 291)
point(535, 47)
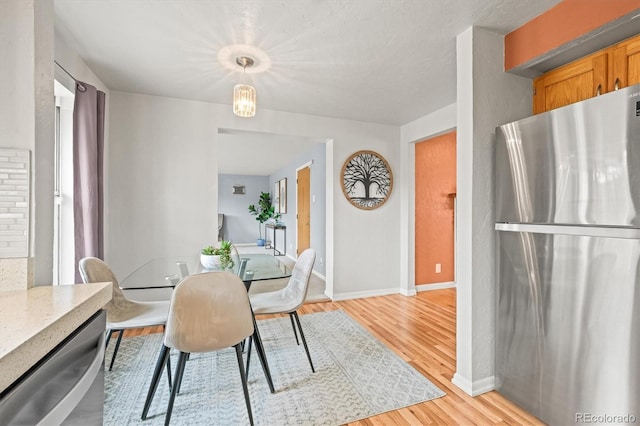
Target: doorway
point(435, 196)
point(303, 208)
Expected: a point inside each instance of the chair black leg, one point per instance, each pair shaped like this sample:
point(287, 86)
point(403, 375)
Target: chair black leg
point(115, 350)
point(245, 389)
point(109, 334)
point(295, 333)
point(249, 354)
point(169, 371)
point(179, 384)
point(164, 328)
point(262, 356)
point(153, 386)
point(304, 341)
point(177, 380)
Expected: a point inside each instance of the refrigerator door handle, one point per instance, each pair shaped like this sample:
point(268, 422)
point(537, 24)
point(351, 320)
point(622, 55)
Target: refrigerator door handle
point(588, 231)
point(62, 410)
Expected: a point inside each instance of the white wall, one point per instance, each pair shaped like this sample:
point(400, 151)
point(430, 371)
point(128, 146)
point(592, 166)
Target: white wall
point(26, 108)
point(486, 97)
point(163, 175)
point(240, 227)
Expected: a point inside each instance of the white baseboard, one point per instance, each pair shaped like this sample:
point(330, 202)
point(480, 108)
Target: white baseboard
point(314, 272)
point(388, 291)
point(437, 286)
point(408, 292)
point(319, 275)
point(475, 388)
point(363, 294)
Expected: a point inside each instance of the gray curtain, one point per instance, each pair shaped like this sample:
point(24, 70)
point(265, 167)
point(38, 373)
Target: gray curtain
point(88, 147)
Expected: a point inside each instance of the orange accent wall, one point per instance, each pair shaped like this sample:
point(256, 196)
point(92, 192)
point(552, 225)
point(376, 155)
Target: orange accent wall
point(561, 24)
point(435, 180)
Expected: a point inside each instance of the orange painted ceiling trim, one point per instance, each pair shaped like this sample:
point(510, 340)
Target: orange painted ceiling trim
point(561, 24)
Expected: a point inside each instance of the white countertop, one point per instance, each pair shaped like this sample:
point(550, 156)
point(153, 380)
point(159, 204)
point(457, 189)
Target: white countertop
point(34, 321)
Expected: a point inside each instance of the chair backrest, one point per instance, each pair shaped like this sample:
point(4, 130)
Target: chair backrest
point(209, 311)
point(298, 284)
point(235, 255)
point(94, 270)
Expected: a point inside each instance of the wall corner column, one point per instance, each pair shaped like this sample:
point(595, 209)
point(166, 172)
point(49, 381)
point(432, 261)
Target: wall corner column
point(486, 98)
point(27, 105)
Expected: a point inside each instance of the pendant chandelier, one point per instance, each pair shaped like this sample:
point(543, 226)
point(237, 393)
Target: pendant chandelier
point(244, 95)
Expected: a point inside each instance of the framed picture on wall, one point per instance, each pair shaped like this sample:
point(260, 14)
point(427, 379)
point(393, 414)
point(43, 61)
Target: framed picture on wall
point(276, 196)
point(283, 195)
point(366, 180)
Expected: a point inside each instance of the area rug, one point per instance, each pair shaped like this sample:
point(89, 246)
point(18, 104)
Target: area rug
point(356, 377)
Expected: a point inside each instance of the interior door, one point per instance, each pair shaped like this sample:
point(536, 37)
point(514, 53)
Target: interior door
point(303, 214)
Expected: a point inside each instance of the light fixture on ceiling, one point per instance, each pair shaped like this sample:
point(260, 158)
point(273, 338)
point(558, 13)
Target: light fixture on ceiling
point(244, 95)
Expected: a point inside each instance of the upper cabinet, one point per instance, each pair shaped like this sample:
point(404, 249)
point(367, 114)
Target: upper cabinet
point(625, 61)
point(579, 80)
point(606, 70)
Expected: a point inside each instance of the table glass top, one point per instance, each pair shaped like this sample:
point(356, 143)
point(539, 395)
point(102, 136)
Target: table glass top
point(167, 272)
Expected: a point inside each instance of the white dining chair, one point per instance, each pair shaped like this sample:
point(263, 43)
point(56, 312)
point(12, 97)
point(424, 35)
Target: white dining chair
point(122, 313)
point(209, 311)
point(289, 299)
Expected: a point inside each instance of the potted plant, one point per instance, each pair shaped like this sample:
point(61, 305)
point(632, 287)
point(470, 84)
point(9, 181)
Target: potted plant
point(263, 212)
point(217, 257)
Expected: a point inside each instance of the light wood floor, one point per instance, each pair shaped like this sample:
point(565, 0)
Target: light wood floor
point(421, 330)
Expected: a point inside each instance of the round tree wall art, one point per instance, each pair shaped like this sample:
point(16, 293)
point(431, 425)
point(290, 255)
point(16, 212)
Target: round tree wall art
point(367, 180)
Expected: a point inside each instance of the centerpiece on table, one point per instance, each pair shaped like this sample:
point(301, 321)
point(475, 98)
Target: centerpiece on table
point(217, 257)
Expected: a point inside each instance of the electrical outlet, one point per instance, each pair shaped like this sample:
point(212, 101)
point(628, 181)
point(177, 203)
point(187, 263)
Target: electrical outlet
point(438, 268)
point(321, 261)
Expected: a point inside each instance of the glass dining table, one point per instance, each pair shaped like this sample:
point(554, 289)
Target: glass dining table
point(166, 273)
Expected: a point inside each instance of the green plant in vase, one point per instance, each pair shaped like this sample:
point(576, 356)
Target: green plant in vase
point(225, 254)
point(217, 257)
point(263, 212)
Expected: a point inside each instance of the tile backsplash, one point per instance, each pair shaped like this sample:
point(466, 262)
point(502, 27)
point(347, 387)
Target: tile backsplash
point(14, 203)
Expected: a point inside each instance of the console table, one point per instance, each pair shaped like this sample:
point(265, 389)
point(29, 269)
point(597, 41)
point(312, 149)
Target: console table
point(276, 228)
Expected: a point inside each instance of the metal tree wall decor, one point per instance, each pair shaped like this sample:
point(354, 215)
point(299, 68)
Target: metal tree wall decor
point(367, 180)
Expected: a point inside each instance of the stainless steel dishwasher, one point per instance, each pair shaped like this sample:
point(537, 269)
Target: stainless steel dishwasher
point(66, 387)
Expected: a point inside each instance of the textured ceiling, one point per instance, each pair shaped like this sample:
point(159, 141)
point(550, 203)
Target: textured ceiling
point(383, 61)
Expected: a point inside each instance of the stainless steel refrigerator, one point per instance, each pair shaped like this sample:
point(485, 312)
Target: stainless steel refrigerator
point(568, 261)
